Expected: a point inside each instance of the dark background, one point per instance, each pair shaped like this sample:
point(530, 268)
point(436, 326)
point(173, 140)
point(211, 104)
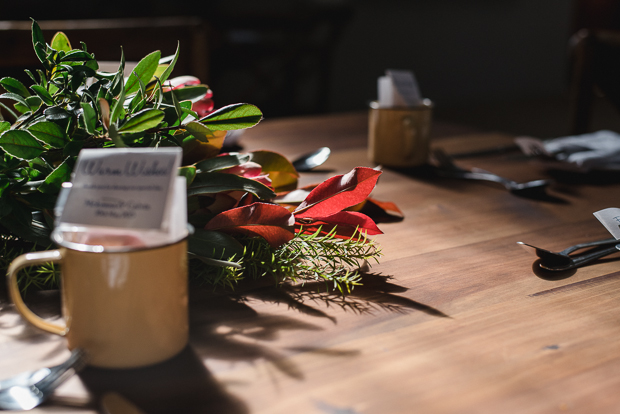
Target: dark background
point(495, 64)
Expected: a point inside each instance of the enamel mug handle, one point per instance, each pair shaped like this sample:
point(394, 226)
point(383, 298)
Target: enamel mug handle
point(26, 260)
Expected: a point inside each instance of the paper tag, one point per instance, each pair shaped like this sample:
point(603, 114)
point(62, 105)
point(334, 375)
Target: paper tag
point(610, 218)
point(407, 92)
point(125, 188)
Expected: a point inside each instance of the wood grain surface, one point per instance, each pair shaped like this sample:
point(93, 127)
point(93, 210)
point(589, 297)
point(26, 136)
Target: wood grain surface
point(457, 318)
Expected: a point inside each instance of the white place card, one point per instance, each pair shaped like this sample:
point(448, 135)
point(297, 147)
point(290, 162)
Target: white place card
point(406, 89)
point(130, 188)
point(610, 218)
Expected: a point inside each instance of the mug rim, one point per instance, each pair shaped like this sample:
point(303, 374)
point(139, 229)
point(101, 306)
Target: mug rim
point(57, 238)
point(425, 105)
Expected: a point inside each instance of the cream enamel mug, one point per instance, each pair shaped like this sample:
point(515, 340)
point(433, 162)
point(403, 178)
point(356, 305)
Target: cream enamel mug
point(126, 305)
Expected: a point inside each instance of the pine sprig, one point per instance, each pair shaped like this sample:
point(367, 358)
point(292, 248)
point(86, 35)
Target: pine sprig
point(307, 257)
point(317, 257)
point(45, 276)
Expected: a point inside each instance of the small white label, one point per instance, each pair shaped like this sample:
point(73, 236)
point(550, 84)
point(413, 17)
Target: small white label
point(124, 188)
point(407, 92)
point(610, 218)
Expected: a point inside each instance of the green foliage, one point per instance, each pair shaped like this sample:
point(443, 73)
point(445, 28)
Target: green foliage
point(42, 277)
point(72, 105)
point(308, 257)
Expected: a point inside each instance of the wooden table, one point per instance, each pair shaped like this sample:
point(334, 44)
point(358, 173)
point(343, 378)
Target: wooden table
point(455, 318)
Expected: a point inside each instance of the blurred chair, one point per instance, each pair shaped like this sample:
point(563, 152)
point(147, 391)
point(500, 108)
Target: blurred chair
point(595, 59)
point(104, 37)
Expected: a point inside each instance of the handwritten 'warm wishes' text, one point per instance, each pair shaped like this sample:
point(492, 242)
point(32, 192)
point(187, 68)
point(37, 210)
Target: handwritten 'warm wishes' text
point(142, 168)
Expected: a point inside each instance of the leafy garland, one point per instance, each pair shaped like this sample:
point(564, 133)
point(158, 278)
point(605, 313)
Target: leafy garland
point(242, 229)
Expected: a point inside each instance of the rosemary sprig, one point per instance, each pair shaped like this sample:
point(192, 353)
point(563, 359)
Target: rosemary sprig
point(40, 277)
point(307, 257)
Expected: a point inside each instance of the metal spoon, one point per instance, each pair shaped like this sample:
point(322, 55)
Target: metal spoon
point(312, 160)
point(570, 249)
point(562, 261)
point(447, 168)
point(29, 389)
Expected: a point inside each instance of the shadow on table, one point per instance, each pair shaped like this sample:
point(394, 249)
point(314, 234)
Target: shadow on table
point(564, 274)
point(179, 385)
point(375, 293)
point(225, 327)
point(428, 173)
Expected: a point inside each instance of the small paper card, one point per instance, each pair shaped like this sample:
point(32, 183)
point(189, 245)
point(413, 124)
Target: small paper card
point(610, 218)
point(406, 89)
point(129, 188)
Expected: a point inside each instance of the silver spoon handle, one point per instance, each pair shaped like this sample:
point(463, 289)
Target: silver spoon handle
point(60, 373)
point(589, 244)
point(597, 254)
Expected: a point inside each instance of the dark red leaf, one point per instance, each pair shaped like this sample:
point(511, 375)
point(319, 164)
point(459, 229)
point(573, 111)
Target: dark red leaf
point(345, 223)
point(269, 221)
point(381, 211)
point(339, 192)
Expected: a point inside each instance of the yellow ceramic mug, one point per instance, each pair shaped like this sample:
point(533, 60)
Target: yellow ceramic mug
point(125, 305)
point(399, 137)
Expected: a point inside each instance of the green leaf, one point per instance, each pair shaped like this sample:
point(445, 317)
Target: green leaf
point(164, 76)
point(56, 113)
point(9, 110)
point(213, 182)
point(21, 108)
point(92, 64)
point(90, 117)
point(177, 106)
point(188, 93)
point(60, 41)
point(15, 97)
point(39, 201)
point(20, 144)
point(281, 172)
point(73, 148)
point(221, 162)
point(4, 126)
point(42, 78)
point(113, 131)
point(29, 73)
point(144, 71)
point(189, 172)
point(141, 121)
point(14, 86)
point(43, 94)
point(199, 131)
point(214, 245)
point(77, 80)
point(137, 103)
point(159, 71)
point(34, 102)
point(50, 133)
point(38, 41)
point(18, 225)
point(186, 107)
point(118, 107)
point(5, 208)
point(76, 56)
point(54, 181)
point(236, 116)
